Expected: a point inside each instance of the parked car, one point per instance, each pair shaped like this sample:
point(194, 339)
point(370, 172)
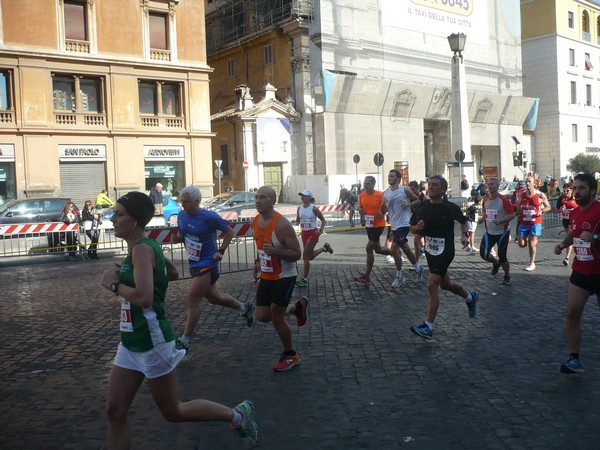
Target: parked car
point(34, 210)
point(216, 200)
point(237, 202)
point(507, 188)
point(170, 208)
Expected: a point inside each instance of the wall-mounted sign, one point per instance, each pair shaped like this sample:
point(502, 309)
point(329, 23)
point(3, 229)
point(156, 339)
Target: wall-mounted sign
point(77, 152)
point(7, 152)
point(164, 152)
point(273, 143)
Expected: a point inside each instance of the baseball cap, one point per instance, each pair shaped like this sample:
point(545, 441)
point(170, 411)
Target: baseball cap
point(305, 192)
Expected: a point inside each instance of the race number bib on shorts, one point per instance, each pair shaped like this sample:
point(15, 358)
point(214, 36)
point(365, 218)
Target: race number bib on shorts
point(566, 213)
point(369, 221)
point(126, 321)
point(266, 262)
point(583, 250)
point(434, 246)
point(305, 224)
point(193, 248)
point(491, 214)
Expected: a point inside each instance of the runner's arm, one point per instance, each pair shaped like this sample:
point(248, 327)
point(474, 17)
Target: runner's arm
point(317, 212)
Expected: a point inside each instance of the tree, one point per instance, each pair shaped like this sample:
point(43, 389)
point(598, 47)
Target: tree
point(584, 162)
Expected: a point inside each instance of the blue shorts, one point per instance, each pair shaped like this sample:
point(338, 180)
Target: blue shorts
point(534, 230)
point(199, 271)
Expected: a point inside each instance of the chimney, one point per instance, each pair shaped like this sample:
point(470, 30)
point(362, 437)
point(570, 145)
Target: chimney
point(243, 99)
point(270, 92)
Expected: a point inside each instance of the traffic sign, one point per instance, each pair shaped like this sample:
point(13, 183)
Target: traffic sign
point(218, 174)
point(218, 162)
point(356, 158)
point(459, 155)
point(245, 165)
point(378, 159)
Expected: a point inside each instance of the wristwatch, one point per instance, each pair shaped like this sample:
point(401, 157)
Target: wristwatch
point(114, 287)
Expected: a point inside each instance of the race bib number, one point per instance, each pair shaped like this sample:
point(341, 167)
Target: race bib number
point(529, 214)
point(566, 213)
point(193, 248)
point(491, 214)
point(266, 262)
point(126, 321)
point(305, 224)
point(435, 246)
point(369, 221)
point(583, 250)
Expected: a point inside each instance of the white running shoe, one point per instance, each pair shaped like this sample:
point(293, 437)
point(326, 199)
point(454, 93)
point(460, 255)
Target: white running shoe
point(389, 259)
point(398, 281)
point(530, 267)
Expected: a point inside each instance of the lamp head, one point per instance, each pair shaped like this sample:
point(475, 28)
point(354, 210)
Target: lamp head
point(457, 42)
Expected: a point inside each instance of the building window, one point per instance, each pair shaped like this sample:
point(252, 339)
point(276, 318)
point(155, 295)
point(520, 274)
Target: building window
point(585, 25)
point(230, 68)
point(268, 55)
point(76, 26)
point(159, 37)
point(573, 92)
point(78, 100)
point(588, 62)
point(161, 103)
point(225, 159)
point(571, 57)
point(590, 133)
point(598, 30)
point(574, 132)
point(571, 19)
point(7, 106)
point(588, 94)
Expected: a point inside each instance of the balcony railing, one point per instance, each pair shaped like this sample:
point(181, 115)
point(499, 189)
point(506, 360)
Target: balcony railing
point(161, 122)
point(77, 46)
point(87, 119)
point(160, 55)
point(7, 118)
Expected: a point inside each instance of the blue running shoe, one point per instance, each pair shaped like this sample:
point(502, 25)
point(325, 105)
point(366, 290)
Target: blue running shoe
point(248, 314)
point(572, 365)
point(422, 330)
point(472, 305)
point(248, 429)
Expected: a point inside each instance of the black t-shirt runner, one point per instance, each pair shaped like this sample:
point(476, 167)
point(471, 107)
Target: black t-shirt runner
point(439, 223)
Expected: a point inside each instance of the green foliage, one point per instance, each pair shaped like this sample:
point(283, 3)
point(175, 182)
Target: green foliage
point(584, 162)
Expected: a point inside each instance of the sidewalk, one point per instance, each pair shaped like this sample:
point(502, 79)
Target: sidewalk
point(365, 381)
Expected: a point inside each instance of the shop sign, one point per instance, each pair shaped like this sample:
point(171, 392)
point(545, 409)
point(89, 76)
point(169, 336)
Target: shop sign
point(164, 152)
point(7, 152)
point(81, 152)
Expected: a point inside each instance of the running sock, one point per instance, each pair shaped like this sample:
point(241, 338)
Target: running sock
point(469, 298)
point(185, 339)
point(575, 355)
point(417, 266)
point(237, 419)
point(398, 273)
point(429, 325)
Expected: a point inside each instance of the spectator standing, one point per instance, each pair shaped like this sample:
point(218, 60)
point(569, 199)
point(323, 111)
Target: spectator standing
point(464, 186)
point(68, 216)
point(91, 221)
point(472, 213)
point(156, 195)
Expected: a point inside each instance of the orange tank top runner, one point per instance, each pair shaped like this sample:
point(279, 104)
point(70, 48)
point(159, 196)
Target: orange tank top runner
point(530, 207)
point(271, 267)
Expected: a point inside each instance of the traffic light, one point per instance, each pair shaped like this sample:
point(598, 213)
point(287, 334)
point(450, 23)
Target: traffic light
point(517, 159)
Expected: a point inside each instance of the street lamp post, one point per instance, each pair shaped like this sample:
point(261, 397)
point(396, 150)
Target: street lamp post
point(461, 133)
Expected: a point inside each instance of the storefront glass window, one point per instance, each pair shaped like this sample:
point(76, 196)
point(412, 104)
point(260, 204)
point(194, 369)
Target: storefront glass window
point(63, 91)
point(8, 187)
point(168, 173)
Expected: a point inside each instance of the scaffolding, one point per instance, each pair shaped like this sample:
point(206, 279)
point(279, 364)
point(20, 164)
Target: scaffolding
point(240, 18)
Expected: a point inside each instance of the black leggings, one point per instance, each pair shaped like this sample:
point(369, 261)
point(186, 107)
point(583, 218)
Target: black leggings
point(489, 240)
